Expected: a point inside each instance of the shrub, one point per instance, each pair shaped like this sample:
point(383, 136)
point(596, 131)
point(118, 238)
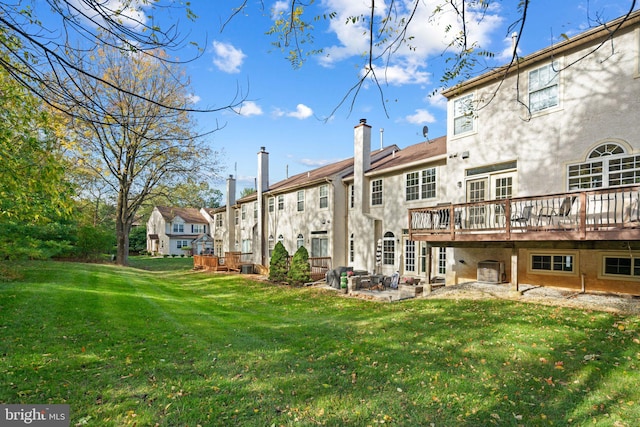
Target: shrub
point(278, 263)
point(300, 270)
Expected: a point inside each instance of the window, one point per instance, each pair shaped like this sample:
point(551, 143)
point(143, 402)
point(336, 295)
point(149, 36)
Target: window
point(409, 255)
point(352, 249)
point(300, 200)
point(280, 202)
point(198, 228)
point(421, 185)
point(217, 247)
point(178, 227)
point(255, 210)
point(552, 263)
point(271, 243)
point(388, 248)
point(300, 241)
point(324, 196)
point(622, 266)
point(543, 87)
point(246, 246)
point(182, 244)
point(608, 165)
point(376, 192)
point(352, 196)
point(463, 115)
point(319, 244)
point(237, 216)
point(442, 260)
point(219, 220)
point(271, 204)
point(244, 212)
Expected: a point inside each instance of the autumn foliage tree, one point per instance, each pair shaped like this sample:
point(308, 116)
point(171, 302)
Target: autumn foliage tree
point(136, 144)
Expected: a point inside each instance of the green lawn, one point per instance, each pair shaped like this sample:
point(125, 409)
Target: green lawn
point(126, 346)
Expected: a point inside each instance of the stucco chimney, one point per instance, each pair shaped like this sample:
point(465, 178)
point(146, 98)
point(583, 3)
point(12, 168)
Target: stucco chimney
point(263, 170)
point(230, 215)
point(361, 164)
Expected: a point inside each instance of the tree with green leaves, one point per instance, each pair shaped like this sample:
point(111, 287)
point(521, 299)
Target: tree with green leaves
point(136, 145)
point(278, 265)
point(300, 270)
point(35, 198)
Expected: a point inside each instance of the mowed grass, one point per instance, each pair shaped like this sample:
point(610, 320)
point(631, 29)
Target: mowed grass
point(125, 346)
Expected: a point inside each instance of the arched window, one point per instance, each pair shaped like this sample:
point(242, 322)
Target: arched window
point(388, 248)
point(607, 165)
point(300, 241)
point(271, 244)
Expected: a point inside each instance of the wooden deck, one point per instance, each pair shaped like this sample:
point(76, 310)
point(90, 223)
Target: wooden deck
point(611, 214)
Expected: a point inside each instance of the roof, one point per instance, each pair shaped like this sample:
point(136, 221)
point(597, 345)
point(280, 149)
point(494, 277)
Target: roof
point(412, 154)
point(595, 35)
point(341, 168)
point(191, 215)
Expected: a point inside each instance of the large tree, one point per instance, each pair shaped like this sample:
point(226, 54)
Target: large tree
point(139, 137)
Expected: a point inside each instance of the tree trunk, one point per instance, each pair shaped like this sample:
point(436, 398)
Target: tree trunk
point(123, 225)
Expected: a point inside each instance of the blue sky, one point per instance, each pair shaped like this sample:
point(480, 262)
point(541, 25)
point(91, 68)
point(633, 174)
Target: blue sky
point(286, 109)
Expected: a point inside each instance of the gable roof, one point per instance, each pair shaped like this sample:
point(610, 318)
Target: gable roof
point(191, 215)
point(340, 169)
point(595, 35)
point(413, 154)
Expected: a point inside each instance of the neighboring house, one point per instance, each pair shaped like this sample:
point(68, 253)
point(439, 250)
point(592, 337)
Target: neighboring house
point(537, 186)
point(172, 231)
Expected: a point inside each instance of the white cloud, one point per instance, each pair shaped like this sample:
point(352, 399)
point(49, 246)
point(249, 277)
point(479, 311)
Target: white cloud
point(428, 33)
point(131, 13)
point(249, 108)
point(193, 99)
point(278, 8)
point(421, 116)
point(302, 112)
point(227, 57)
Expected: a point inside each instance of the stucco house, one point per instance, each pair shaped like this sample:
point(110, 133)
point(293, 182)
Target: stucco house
point(545, 180)
point(538, 185)
point(177, 231)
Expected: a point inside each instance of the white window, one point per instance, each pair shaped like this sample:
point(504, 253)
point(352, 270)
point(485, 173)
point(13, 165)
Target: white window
point(607, 165)
point(237, 216)
point(300, 241)
point(409, 256)
point(300, 196)
point(246, 246)
point(255, 210)
point(219, 220)
point(244, 212)
point(324, 196)
point(197, 228)
point(376, 192)
point(463, 115)
point(280, 202)
point(388, 248)
point(421, 185)
point(182, 244)
point(319, 245)
point(271, 204)
point(442, 260)
point(543, 87)
point(271, 243)
point(178, 227)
